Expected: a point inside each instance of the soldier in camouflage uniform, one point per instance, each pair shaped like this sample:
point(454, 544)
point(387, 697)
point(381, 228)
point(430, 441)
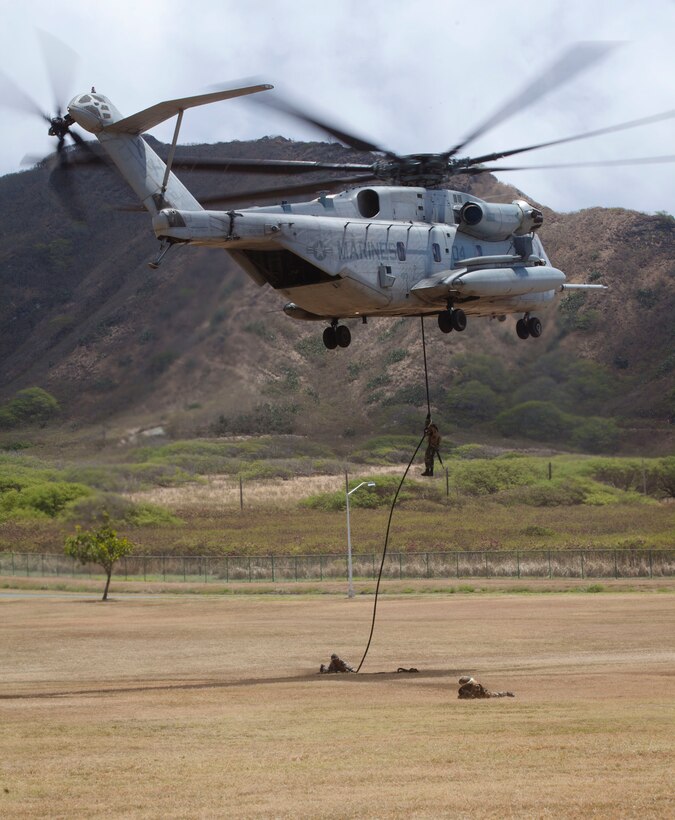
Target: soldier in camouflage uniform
point(433, 446)
point(336, 665)
point(470, 689)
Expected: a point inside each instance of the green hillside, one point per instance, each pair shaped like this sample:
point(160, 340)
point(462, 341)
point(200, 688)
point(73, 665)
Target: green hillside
point(198, 349)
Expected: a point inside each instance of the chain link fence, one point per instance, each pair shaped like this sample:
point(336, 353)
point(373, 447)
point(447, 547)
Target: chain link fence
point(617, 563)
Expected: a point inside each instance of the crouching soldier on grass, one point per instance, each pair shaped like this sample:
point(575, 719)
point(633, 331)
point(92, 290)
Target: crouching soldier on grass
point(470, 689)
point(336, 665)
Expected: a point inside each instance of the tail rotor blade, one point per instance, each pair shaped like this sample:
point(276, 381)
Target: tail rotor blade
point(61, 63)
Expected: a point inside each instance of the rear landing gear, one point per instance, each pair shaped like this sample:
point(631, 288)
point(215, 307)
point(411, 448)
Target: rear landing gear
point(336, 336)
point(452, 319)
point(528, 326)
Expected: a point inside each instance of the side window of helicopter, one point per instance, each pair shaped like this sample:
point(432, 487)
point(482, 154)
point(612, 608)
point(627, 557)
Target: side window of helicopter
point(400, 251)
point(436, 250)
point(479, 250)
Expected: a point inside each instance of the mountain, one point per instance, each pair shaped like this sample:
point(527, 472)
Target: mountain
point(198, 348)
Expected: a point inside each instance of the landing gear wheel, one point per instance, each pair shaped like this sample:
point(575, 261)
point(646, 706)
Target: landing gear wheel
point(330, 338)
point(445, 321)
point(522, 329)
point(458, 319)
point(343, 335)
point(534, 326)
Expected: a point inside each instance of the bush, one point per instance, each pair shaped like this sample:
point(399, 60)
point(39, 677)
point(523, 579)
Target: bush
point(473, 402)
point(596, 435)
point(30, 406)
point(538, 420)
point(49, 499)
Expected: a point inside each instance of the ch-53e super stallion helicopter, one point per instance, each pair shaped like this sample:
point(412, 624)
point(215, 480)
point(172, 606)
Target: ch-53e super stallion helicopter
point(393, 243)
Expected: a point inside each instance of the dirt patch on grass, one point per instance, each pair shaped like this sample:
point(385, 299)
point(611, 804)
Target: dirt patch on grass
point(212, 706)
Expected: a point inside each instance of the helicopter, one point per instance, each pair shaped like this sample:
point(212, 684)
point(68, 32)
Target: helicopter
point(384, 237)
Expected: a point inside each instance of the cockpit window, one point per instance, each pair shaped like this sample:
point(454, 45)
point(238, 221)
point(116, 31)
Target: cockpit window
point(85, 99)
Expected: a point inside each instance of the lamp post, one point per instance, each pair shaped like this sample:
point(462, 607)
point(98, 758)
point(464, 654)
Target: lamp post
point(348, 492)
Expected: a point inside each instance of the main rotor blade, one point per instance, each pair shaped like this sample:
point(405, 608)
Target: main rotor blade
point(609, 130)
point(61, 63)
point(11, 96)
point(351, 140)
point(264, 166)
point(288, 190)
point(483, 169)
point(573, 61)
point(61, 182)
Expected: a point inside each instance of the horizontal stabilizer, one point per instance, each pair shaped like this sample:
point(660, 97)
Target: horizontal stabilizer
point(150, 117)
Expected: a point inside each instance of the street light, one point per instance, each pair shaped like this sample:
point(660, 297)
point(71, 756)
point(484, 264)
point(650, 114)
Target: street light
point(348, 492)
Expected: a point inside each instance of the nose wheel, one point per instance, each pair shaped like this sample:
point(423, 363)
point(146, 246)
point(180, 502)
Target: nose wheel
point(336, 336)
point(528, 326)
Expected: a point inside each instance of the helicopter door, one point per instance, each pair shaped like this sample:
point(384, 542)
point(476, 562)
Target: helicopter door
point(438, 254)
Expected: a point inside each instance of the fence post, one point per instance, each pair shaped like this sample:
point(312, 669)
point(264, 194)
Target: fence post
point(57, 566)
point(427, 558)
point(227, 569)
point(651, 569)
point(249, 569)
point(582, 564)
point(487, 569)
point(321, 568)
point(518, 562)
point(550, 471)
point(206, 570)
point(447, 483)
point(295, 566)
point(27, 567)
point(163, 568)
point(457, 560)
point(241, 493)
point(549, 564)
point(400, 566)
point(13, 564)
point(273, 578)
point(373, 560)
point(616, 568)
point(72, 569)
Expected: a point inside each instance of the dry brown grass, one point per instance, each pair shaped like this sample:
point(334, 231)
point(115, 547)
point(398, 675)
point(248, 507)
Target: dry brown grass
point(204, 707)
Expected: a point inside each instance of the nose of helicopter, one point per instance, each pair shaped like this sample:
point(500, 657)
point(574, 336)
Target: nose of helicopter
point(93, 111)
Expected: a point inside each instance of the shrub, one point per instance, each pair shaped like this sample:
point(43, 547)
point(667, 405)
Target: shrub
point(539, 420)
point(472, 402)
point(30, 406)
point(47, 499)
point(596, 435)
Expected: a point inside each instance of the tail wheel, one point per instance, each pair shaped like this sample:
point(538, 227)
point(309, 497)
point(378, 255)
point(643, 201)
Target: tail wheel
point(534, 326)
point(343, 335)
point(330, 338)
point(522, 329)
point(458, 319)
point(445, 321)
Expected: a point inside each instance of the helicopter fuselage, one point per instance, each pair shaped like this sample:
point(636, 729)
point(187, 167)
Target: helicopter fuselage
point(402, 258)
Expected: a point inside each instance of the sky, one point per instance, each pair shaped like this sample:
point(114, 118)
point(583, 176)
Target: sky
point(409, 76)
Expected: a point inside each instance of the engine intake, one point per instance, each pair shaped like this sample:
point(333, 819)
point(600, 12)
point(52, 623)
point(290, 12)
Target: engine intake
point(494, 222)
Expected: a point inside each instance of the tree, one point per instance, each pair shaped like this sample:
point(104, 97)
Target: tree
point(101, 546)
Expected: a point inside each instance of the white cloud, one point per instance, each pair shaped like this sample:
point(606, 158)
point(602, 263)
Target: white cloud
point(413, 77)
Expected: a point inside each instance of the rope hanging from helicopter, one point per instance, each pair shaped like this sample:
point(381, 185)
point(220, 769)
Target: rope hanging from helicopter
point(395, 499)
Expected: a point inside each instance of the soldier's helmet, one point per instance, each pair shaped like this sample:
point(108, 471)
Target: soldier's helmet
point(466, 679)
point(333, 657)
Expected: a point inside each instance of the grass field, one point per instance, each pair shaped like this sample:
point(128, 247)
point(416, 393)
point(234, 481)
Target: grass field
point(212, 706)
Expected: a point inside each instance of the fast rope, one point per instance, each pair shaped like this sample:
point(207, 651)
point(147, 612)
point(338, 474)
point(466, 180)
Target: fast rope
point(393, 503)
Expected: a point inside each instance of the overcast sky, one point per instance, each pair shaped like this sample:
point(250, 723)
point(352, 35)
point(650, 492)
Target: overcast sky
point(410, 76)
